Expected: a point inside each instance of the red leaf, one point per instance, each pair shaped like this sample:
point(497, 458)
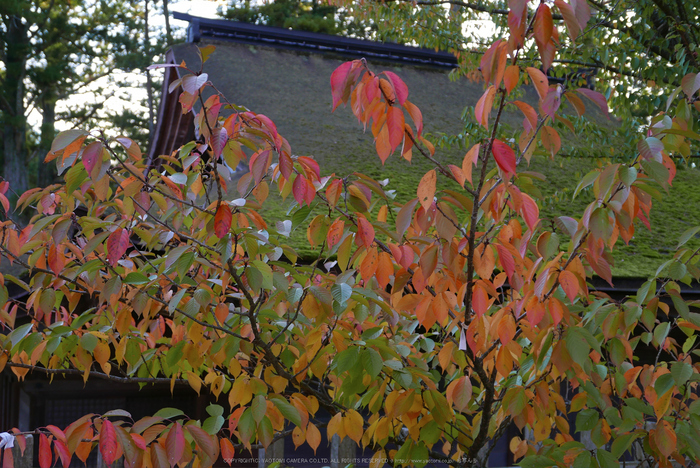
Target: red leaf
point(400, 87)
point(480, 300)
point(222, 220)
point(206, 442)
point(596, 97)
point(426, 189)
point(484, 106)
point(690, 84)
point(286, 165)
point(310, 166)
point(8, 460)
point(504, 155)
point(583, 12)
point(365, 231)
point(175, 444)
point(530, 211)
point(338, 83)
point(552, 101)
point(416, 115)
point(45, 455)
point(62, 452)
point(92, 154)
point(395, 125)
point(539, 80)
point(117, 243)
point(108, 442)
point(218, 141)
point(299, 189)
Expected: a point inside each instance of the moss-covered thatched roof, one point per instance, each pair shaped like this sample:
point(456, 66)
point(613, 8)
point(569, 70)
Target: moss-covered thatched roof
point(292, 87)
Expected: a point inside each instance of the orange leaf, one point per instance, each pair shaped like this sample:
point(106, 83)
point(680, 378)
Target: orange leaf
point(543, 29)
point(484, 106)
point(335, 426)
point(530, 211)
point(426, 189)
point(556, 309)
point(383, 143)
point(116, 245)
point(550, 140)
point(369, 264)
point(222, 220)
point(506, 328)
point(665, 438)
point(512, 76)
point(335, 232)
point(470, 160)
point(334, 191)
point(569, 283)
point(313, 436)
point(484, 261)
point(56, 259)
point(459, 393)
point(365, 232)
point(416, 115)
point(539, 80)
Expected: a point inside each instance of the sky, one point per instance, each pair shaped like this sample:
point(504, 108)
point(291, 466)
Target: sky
point(132, 96)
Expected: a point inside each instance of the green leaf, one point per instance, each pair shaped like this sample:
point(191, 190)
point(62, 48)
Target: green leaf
point(687, 235)
point(371, 361)
point(168, 413)
point(135, 277)
point(586, 419)
point(258, 407)
point(341, 292)
point(18, 333)
point(622, 443)
point(606, 459)
point(344, 360)
point(587, 180)
point(213, 424)
point(246, 426)
point(577, 345)
point(289, 412)
point(677, 270)
point(681, 372)
point(88, 342)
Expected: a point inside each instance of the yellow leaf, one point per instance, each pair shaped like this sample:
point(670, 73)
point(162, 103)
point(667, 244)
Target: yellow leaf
point(352, 423)
point(313, 436)
point(194, 381)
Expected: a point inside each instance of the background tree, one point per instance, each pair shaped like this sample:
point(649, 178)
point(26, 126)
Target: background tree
point(311, 15)
point(449, 317)
point(55, 51)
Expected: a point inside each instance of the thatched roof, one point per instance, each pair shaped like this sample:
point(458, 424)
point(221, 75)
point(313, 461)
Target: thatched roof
point(285, 75)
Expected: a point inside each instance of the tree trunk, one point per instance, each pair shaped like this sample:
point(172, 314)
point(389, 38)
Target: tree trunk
point(13, 118)
point(46, 173)
point(149, 81)
point(168, 31)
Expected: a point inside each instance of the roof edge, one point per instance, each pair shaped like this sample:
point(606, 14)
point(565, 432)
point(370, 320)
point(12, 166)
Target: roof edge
point(235, 31)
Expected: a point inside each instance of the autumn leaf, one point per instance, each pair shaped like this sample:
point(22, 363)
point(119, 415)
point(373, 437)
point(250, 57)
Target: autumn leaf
point(117, 242)
point(222, 220)
point(426, 189)
point(108, 442)
point(504, 156)
point(365, 232)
